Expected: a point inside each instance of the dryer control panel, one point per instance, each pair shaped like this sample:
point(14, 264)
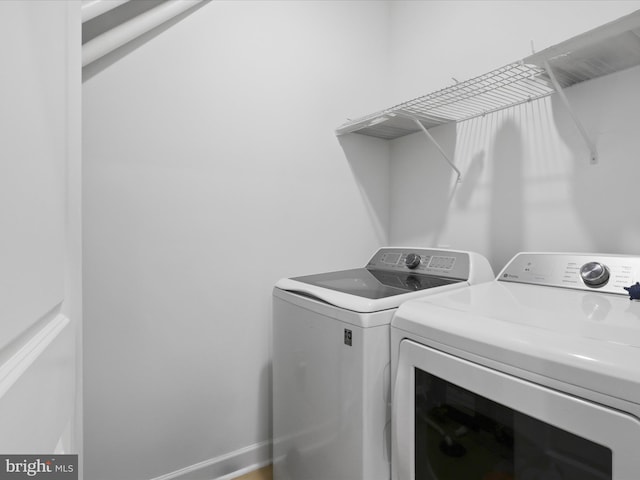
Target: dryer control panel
point(443, 263)
point(582, 271)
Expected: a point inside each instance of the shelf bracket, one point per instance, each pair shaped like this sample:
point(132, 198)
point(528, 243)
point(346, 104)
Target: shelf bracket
point(576, 120)
point(433, 140)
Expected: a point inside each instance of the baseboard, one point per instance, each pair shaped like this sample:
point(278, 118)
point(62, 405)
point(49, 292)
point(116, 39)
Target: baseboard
point(244, 471)
point(225, 467)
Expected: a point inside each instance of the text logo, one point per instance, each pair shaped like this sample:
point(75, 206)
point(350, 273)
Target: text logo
point(348, 337)
point(49, 467)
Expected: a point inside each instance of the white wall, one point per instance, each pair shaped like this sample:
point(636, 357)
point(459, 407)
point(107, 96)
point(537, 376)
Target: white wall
point(527, 182)
point(211, 170)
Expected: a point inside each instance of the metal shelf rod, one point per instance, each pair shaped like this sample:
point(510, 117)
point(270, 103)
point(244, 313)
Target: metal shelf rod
point(433, 140)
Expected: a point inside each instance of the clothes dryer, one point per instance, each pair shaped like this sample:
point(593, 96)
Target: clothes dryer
point(533, 376)
point(331, 363)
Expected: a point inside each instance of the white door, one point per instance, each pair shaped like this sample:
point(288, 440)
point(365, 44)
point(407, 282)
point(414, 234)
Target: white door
point(40, 306)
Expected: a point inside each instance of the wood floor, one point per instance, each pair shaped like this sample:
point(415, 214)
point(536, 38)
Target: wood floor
point(264, 473)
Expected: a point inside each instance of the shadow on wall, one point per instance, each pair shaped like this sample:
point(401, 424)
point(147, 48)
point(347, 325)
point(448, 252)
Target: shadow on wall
point(266, 391)
point(368, 159)
point(423, 186)
point(506, 224)
point(471, 178)
point(603, 194)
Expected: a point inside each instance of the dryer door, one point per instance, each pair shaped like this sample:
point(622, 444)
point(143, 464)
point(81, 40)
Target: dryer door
point(457, 419)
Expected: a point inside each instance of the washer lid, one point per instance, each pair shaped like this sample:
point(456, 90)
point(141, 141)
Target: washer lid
point(584, 338)
point(363, 290)
point(374, 284)
point(392, 276)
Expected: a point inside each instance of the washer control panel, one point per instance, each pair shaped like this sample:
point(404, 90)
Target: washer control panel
point(606, 273)
point(443, 263)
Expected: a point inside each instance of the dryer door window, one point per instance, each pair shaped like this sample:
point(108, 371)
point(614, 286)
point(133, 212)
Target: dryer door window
point(459, 434)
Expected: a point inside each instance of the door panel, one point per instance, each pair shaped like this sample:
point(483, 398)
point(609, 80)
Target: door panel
point(32, 166)
point(36, 391)
point(37, 336)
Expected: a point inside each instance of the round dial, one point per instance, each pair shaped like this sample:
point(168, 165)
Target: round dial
point(594, 274)
point(412, 260)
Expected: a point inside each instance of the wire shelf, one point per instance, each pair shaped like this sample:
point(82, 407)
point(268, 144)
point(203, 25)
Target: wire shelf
point(507, 86)
point(607, 49)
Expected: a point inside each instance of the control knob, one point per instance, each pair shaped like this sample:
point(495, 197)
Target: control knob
point(412, 260)
point(594, 274)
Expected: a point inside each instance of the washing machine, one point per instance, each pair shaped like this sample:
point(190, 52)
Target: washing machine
point(331, 359)
point(533, 376)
